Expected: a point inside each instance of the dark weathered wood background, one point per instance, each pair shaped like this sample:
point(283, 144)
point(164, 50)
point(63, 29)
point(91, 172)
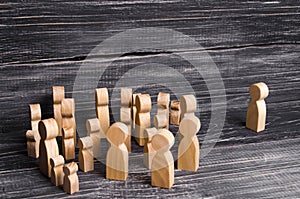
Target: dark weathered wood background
point(43, 44)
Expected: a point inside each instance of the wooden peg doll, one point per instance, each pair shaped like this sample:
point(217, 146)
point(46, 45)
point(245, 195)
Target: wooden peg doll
point(163, 101)
point(257, 110)
point(117, 155)
point(175, 113)
point(133, 109)
point(160, 121)
point(71, 182)
point(149, 152)
point(57, 173)
point(125, 112)
point(85, 155)
point(58, 95)
point(102, 109)
point(33, 136)
point(96, 134)
point(188, 105)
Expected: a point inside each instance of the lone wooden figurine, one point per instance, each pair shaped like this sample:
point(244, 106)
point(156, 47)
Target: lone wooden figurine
point(117, 154)
point(58, 95)
point(68, 128)
point(257, 110)
point(162, 168)
point(48, 130)
point(143, 105)
point(57, 172)
point(149, 152)
point(33, 137)
point(102, 110)
point(85, 155)
point(94, 131)
point(71, 182)
point(163, 101)
point(175, 113)
point(188, 149)
point(125, 112)
point(188, 105)
point(133, 109)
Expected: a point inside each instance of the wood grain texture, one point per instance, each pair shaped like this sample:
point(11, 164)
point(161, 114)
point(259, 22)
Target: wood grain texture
point(44, 43)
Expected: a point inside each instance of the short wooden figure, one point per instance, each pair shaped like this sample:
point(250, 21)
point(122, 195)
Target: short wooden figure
point(85, 155)
point(149, 152)
point(57, 172)
point(48, 130)
point(162, 168)
point(33, 136)
point(161, 121)
point(117, 154)
point(68, 128)
point(133, 109)
point(125, 112)
point(94, 131)
point(102, 110)
point(58, 95)
point(143, 105)
point(257, 110)
point(175, 113)
point(188, 149)
point(71, 182)
point(188, 105)
point(163, 101)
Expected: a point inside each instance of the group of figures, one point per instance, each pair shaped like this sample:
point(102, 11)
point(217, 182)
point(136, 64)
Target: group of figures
point(134, 116)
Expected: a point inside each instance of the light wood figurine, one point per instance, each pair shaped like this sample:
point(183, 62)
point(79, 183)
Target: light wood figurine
point(48, 130)
point(143, 105)
point(188, 149)
point(57, 172)
point(162, 168)
point(102, 109)
point(133, 109)
point(117, 154)
point(68, 128)
point(58, 95)
point(85, 155)
point(94, 131)
point(188, 105)
point(163, 101)
point(33, 137)
point(175, 113)
point(149, 152)
point(71, 182)
point(257, 110)
point(125, 112)
point(160, 121)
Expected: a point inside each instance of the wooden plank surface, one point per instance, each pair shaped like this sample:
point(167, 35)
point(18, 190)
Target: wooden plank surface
point(44, 43)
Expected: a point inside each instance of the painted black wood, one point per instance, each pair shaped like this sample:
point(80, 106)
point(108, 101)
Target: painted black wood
point(44, 43)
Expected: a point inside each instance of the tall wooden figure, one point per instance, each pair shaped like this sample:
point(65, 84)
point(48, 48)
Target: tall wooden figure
point(163, 101)
point(257, 110)
point(102, 110)
point(117, 154)
point(125, 112)
point(33, 136)
point(95, 132)
point(48, 130)
point(68, 128)
point(142, 120)
point(188, 149)
point(188, 105)
point(85, 155)
point(162, 168)
point(58, 95)
point(149, 152)
point(57, 172)
point(71, 182)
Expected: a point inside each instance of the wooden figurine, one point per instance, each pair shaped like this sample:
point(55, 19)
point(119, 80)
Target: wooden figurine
point(117, 154)
point(160, 121)
point(133, 109)
point(58, 95)
point(188, 105)
point(149, 152)
point(85, 155)
point(57, 173)
point(94, 131)
point(125, 112)
point(188, 149)
point(162, 168)
point(48, 130)
point(33, 136)
point(163, 101)
point(257, 110)
point(175, 113)
point(68, 128)
point(71, 182)
point(143, 105)
point(102, 110)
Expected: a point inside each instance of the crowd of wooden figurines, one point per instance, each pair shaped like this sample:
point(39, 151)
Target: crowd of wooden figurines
point(134, 116)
